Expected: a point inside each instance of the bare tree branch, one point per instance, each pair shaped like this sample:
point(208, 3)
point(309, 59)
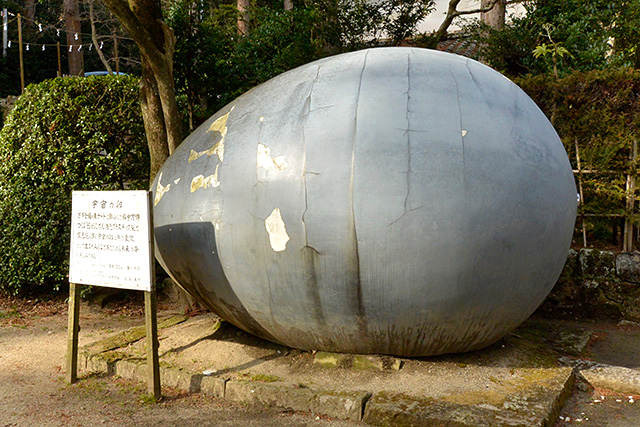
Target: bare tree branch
point(452, 13)
point(94, 38)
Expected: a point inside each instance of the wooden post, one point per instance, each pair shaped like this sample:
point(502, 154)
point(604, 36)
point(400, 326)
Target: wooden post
point(5, 34)
point(151, 318)
point(153, 363)
point(115, 53)
point(627, 243)
point(59, 61)
point(74, 329)
point(584, 228)
point(20, 53)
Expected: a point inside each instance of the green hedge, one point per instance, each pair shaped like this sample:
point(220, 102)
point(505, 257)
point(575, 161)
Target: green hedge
point(63, 134)
point(600, 110)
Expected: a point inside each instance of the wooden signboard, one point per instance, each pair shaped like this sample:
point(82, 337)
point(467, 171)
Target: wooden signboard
point(112, 245)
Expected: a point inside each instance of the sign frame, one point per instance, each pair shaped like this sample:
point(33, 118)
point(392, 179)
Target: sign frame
point(111, 240)
point(95, 277)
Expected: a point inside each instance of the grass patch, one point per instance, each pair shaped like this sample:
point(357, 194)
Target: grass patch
point(265, 378)
point(148, 399)
point(9, 314)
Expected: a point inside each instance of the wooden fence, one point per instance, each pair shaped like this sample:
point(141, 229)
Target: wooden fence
point(629, 230)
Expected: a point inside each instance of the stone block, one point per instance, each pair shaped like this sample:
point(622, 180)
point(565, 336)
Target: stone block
point(356, 361)
point(130, 370)
point(628, 266)
point(94, 364)
point(347, 406)
point(615, 378)
point(330, 360)
point(213, 386)
point(251, 392)
point(401, 410)
point(179, 379)
point(535, 404)
point(339, 405)
point(595, 263)
point(368, 362)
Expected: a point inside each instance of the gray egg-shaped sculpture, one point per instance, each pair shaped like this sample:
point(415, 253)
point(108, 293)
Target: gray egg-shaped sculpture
point(396, 200)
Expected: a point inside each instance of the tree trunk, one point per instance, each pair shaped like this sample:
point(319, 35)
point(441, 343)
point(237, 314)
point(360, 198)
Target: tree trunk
point(74, 37)
point(243, 17)
point(143, 21)
point(495, 17)
point(153, 119)
point(30, 14)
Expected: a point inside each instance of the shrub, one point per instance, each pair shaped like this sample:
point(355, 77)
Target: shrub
point(63, 135)
point(599, 111)
point(598, 34)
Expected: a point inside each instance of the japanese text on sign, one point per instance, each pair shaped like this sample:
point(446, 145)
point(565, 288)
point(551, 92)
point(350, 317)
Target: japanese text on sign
point(110, 239)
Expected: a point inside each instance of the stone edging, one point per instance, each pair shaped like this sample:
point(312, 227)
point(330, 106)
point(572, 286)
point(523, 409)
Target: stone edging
point(342, 405)
point(382, 409)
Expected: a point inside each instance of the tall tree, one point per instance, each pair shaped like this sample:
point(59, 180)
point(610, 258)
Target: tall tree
point(143, 21)
point(243, 17)
point(30, 11)
point(494, 13)
point(74, 38)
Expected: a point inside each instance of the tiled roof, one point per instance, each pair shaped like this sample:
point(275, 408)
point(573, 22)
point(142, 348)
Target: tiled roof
point(464, 46)
point(455, 43)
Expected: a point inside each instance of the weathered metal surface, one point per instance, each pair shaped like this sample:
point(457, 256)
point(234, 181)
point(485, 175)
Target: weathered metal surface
point(399, 201)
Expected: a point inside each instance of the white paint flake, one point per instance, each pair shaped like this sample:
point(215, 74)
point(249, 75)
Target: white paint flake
point(203, 182)
point(278, 236)
point(265, 161)
point(160, 190)
point(220, 126)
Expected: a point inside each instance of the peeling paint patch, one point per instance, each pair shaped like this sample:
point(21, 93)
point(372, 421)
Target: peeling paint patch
point(176, 181)
point(464, 133)
point(265, 160)
point(193, 155)
point(220, 126)
point(201, 182)
point(278, 236)
point(217, 149)
point(160, 190)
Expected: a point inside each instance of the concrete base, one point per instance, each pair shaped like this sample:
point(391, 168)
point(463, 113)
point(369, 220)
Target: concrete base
point(516, 382)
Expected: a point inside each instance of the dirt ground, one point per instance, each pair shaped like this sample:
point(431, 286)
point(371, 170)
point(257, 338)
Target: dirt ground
point(33, 391)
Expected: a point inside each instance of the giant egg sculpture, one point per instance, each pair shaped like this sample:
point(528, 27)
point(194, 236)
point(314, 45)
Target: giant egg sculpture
point(396, 200)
